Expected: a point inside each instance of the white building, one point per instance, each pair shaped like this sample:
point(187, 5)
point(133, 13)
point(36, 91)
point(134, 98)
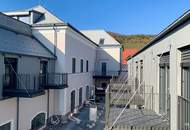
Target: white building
point(164, 64)
point(65, 61)
point(108, 58)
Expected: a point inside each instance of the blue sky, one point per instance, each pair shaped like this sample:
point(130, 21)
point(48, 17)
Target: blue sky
point(121, 16)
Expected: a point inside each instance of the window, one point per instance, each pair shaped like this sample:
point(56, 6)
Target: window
point(183, 102)
point(164, 83)
point(6, 126)
point(141, 71)
point(73, 65)
point(72, 100)
point(137, 76)
point(38, 121)
point(87, 66)
point(80, 96)
point(81, 65)
point(164, 88)
point(87, 92)
point(101, 42)
point(186, 82)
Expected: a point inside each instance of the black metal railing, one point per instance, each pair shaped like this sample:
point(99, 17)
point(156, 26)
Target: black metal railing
point(21, 85)
point(54, 80)
point(183, 113)
point(106, 73)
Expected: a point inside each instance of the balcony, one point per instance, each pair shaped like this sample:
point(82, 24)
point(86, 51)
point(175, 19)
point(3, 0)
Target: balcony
point(21, 85)
point(107, 74)
point(54, 80)
point(183, 113)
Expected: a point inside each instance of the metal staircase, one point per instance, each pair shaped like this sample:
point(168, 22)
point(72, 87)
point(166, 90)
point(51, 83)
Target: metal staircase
point(132, 108)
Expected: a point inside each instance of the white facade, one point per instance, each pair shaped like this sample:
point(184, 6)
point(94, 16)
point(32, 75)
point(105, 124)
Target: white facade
point(69, 45)
point(109, 50)
point(65, 43)
point(169, 41)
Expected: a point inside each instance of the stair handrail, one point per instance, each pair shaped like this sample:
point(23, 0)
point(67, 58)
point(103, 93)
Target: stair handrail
point(120, 89)
point(123, 110)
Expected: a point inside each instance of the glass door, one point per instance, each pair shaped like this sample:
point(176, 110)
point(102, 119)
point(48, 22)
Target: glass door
point(43, 71)
point(10, 79)
point(185, 103)
point(72, 101)
point(164, 89)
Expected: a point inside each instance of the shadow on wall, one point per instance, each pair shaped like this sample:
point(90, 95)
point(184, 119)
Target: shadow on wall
point(103, 56)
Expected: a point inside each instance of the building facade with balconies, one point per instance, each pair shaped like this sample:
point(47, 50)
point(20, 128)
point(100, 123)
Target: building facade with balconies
point(70, 48)
point(53, 70)
point(24, 61)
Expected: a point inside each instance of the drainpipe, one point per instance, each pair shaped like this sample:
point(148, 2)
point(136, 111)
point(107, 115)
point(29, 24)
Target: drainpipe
point(17, 122)
point(55, 39)
point(48, 104)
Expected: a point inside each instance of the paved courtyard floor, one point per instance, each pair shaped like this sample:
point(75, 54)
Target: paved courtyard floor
point(84, 124)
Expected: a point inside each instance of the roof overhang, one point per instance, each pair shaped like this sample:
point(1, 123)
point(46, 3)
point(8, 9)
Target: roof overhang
point(62, 25)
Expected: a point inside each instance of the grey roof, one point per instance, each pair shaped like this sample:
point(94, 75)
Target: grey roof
point(14, 25)
point(46, 18)
point(16, 43)
point(97, 34)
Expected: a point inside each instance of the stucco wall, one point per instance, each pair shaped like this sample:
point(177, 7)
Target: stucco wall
point(70, 45)
point(110, 55)
point(79, 48)
point(8, 111)
point(29, 108)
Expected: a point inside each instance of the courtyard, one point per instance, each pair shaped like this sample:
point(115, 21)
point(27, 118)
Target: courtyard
point(84, 124)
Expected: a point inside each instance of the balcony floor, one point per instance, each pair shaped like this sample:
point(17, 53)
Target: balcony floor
point(22, 93)
point(138, 118)
point(55, 86)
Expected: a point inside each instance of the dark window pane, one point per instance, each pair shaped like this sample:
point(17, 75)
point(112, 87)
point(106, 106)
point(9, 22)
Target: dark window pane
point(73, 65)
point(81, 65)
point(80, 96)
point(38, 121)
point(87, 66)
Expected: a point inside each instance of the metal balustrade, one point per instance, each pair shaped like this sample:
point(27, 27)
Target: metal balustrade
point(183, 113)
point(105, 74)
point(54, 80)
point(21, 85)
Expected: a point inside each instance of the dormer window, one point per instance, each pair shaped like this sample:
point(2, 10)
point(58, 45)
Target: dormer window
point(101, 42)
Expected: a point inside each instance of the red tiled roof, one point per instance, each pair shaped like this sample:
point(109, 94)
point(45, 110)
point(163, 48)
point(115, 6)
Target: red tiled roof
point(127, 53)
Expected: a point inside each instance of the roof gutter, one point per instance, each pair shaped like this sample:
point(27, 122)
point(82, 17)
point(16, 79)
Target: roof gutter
point(65, 24)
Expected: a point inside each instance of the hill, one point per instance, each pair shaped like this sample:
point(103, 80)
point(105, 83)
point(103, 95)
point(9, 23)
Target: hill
point(132, 41)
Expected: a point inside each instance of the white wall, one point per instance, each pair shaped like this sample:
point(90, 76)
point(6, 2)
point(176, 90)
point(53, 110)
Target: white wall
point(179, 38)
point(79, 48)
point(8, 112)
point(110, 55)
point(109, 52)
point(29, 108)
point(70, 45)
